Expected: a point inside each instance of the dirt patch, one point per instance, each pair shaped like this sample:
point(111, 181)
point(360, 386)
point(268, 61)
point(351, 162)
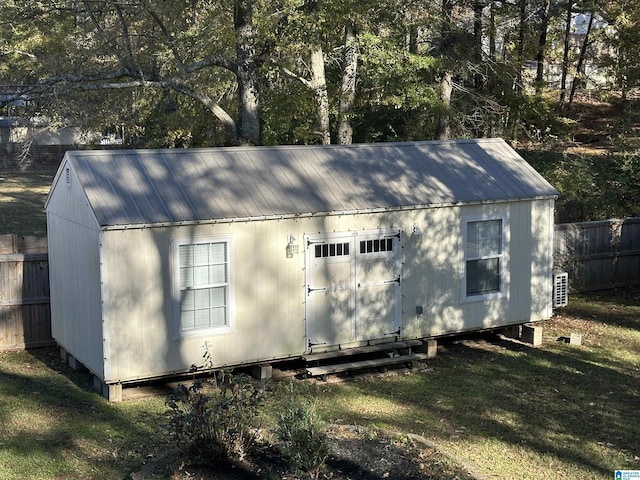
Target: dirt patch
point(356, 453)
point(598, 124)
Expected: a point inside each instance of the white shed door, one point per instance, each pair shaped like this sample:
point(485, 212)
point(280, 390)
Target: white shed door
point(353, 287)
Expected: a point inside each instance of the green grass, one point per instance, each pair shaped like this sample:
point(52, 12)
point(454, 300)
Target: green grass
point(556, 410)
point(22, 198)
point(512, 411)
point(53, 426)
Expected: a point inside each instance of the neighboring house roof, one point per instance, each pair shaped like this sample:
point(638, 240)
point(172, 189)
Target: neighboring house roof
point(146, 187)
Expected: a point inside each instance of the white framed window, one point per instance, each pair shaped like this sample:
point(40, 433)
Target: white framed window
point(202, 286)
point(484, 257)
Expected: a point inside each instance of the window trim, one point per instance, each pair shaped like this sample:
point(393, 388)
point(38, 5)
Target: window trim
point(502, 256)
point(179, 334)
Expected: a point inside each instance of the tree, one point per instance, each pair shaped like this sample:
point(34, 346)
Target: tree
point(203, 72)
point(565, 55)
point(348, 84)
point(542, 44)
point(446, 81)
point(624, 17)
point(198, 49)
point(577, 78)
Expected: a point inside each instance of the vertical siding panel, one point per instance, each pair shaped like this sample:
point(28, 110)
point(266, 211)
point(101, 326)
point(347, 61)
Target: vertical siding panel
point(73, 236)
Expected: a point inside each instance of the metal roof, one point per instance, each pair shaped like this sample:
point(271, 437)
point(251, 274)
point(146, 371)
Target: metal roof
point(149, 187)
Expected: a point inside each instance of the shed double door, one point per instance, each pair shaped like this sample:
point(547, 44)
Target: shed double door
point(353, 289)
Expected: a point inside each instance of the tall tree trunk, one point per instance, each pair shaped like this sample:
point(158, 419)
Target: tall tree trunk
point(413, 39)
point(565, 56)
point(247, 74)
point(319, 87)
point(443, 130)
point(492, 31)
point(477, 44)
point(446, 88)
point(577, 78)
point(542, 46)
point(521, 28)
point(348, 85)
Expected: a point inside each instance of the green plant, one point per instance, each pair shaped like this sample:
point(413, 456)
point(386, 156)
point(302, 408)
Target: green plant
point(301, 432)
point(214, 421)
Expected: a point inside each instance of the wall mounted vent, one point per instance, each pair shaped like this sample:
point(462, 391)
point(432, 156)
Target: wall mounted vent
point(560, 289)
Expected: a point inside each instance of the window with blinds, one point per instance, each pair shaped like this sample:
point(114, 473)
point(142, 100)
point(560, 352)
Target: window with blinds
point(204, 286)
point(483, 256)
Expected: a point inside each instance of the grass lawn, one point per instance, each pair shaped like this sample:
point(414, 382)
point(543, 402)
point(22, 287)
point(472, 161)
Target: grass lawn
point(556, 411)
point(22, 198)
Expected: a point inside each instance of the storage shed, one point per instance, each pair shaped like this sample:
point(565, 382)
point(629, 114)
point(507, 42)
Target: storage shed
point(266, 253)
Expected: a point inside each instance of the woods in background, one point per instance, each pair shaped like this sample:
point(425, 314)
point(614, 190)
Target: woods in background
point(182, 73)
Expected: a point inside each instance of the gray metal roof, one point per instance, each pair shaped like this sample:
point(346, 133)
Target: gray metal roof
point(144, 187)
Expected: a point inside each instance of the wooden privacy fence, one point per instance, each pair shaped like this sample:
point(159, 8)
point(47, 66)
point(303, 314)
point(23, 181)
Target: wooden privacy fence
point(25, 317)
point(598, 255)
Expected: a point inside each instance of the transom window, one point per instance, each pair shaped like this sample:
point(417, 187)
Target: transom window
point(204, 287)
point(324, 250)
point(484, 257)
point(377, 245)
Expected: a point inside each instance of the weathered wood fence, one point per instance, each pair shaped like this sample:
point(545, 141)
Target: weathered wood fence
point(25, 317)
point(597, 255)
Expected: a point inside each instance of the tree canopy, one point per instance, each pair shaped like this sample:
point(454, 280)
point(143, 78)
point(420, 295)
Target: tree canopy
point(203, 72)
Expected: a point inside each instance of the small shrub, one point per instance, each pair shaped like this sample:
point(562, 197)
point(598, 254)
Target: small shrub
point(215, 422)
point(301, 432)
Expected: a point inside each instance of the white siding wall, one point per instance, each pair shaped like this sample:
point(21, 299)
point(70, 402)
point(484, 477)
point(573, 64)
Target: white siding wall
point(74, 271)
point(269, 289)
point(433, 270)
point(267, 309)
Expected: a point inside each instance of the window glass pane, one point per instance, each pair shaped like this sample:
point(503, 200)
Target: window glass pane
point(218, 296)
point(201, 275)
point(201, 254)
point(318, 249)
point(202, 298)
point(483, 276)
point(201, 265)
point(472, 240)
point(490, 246)
point(186, 255)
point(484, 238)
point(186, 277)
point(187, 300)
point(490, 229)
point(218, 274)
point(346, 249)
point(218, 317)
point(218, 252)
point(203, 318)
point(188, 320)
